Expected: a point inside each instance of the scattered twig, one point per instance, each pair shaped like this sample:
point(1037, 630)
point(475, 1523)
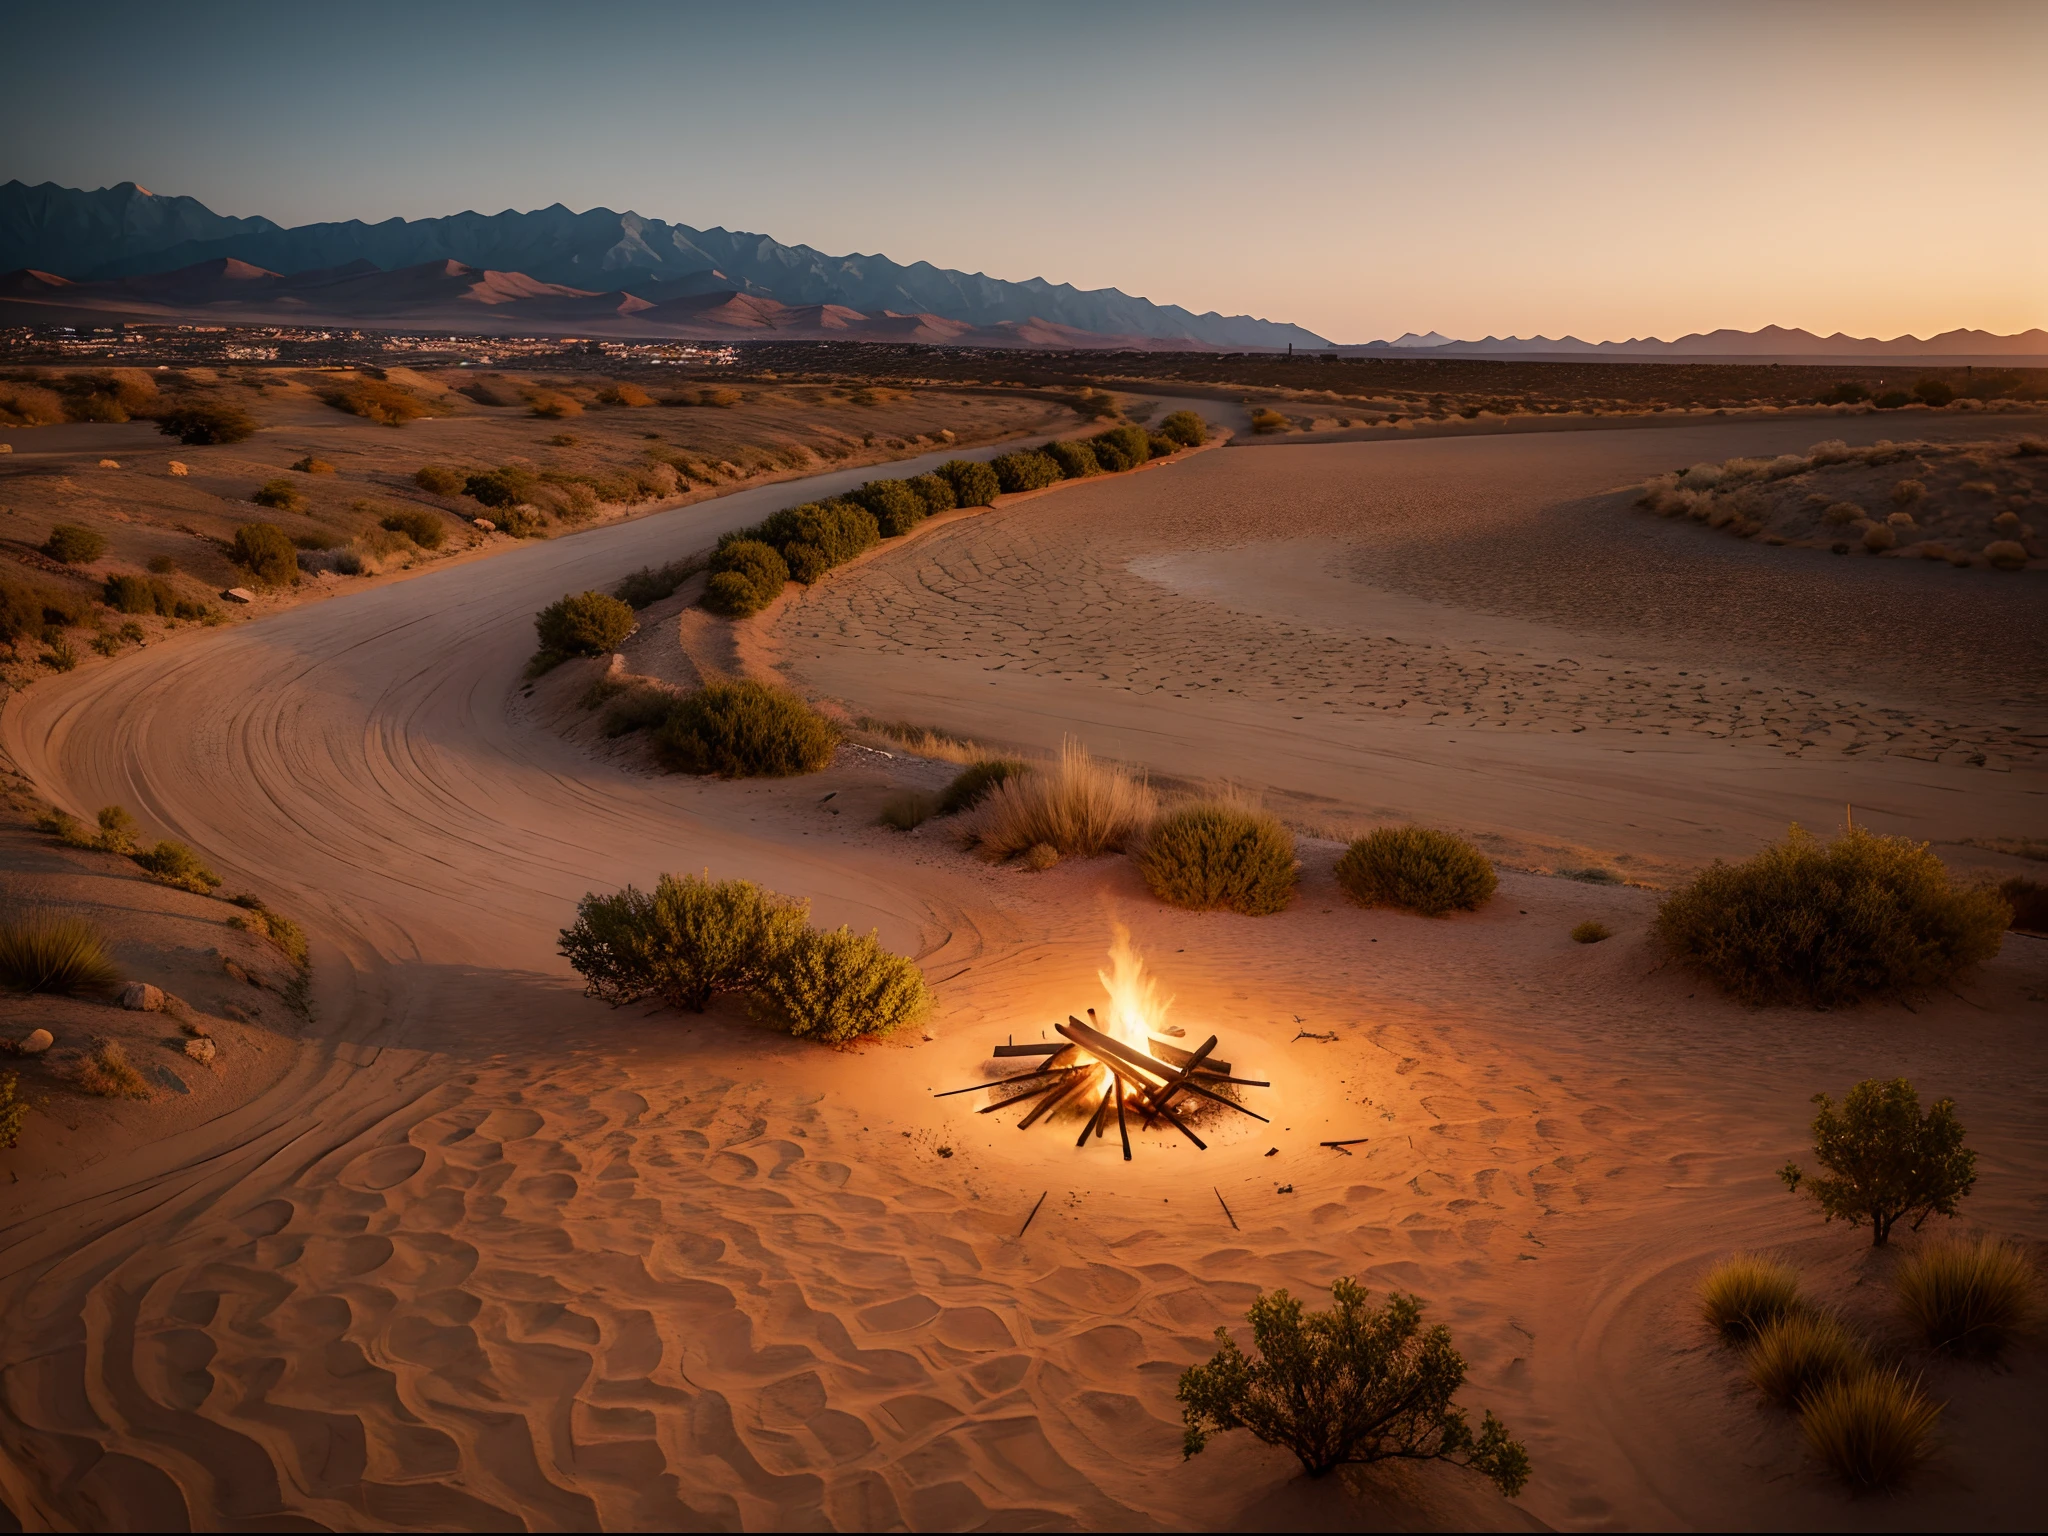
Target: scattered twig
point(1952, 992)
point(1309, 1034)
point(1346, 1146)
point(1226, 1209)
point(1033, 1216)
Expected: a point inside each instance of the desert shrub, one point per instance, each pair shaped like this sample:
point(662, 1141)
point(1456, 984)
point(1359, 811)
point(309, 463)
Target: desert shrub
point(206, 422)
point(175, 864)
point(1355, 1384)
point(1848, 392)
point(839, 985)
point(70, 544)
point(689, 940)
point(506, 486)
point(907, 809)
point(816, 536)
point(312, 466)
point(1871, 1430)
point(379, 400)
point(163, 565)
point(624, 394)
point(974, 484)
point(439, 479)
point(1185, 428)
point(1933, 392)
point(29, 405)
point(1163, 447)
point(552, 405)
point(746, 576)
point(1885, 1161)
point(1797, 1353)
point(639, 707)
point(1219, 855)
point(287, 936)
point(1025, 470)
point(13, 1111)
point(1590, 932)
point(59, 656)
point(2006, 554)
point(266, 552)
point(1968, 1298)
point(1076, 806)
point(2029, 902)
point(43, 951)
point(1827, 924)
point(417, 524)
point(745, 730)
point(1266, 421)
point(935, 491)
point(651, 584)
point(2030, 448)
point(1842, 513)
point(971, 785)
point(1745, 1291)
point(1129, 445)
point(1879, 537)
point(280, 494)
point(896, 507)
point(106, 1073)
point(1892, 399)
point(1906, 492)
point(149, 594)
point(1417, 869)
point(119, 832)
point(583, 624)
point(1075, 459)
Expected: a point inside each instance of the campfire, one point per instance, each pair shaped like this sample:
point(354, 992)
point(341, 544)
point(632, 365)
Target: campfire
point(1116, 1065)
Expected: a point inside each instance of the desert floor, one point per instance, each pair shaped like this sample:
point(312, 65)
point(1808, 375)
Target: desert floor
point(490, 1254)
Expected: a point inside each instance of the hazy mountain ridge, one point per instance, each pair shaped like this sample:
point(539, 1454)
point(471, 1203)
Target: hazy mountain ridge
point(125, 231)
point(1770, 341)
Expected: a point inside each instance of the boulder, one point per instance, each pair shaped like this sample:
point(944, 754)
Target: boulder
point(485, 524)
point(202, 1050)
point(141, 997)
point(35, 1043)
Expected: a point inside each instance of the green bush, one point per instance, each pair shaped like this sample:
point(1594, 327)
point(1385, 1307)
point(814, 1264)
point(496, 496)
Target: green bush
point(746, 576)
point(151, 594)
point(839, 985)
point(267, 553)
point(175, 864)
point(974, 484)
point(1025, 470)
point(1743, 1293)
point(1968, 1298)
point(971, 785)
point(583, 624)
point(43, 951)
point(896, 507)
point(279, 494)
point(1220, 856)
point(1827, 924)
point(1076, 460)
point(509, 485)
point(1871, 1429)
point(439, 479)
point(1163, 447)
point(935, 491)
point(69, 544)
point(205, 422)
point(745, 730)
point(417, 524)
point(1122, 448)
point(651, 584)
point(1885, 1161)
point(1185, 428)
point(119, 832)
point(1417, 869)
point(693, 938)
point(1355, 1384)
point(818, 535)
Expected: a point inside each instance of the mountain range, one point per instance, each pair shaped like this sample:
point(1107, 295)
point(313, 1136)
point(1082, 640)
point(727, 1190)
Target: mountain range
point(126, 231)
point(1773, 341)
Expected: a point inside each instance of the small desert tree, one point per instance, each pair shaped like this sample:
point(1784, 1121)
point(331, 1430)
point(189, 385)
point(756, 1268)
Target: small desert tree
point(1355, 1384)
point(1885, 1161)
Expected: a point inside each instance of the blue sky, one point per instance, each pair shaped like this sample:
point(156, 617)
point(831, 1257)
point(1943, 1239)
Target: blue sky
point(1607, 170)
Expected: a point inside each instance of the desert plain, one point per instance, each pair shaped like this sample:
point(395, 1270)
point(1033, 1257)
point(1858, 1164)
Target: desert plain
point(459, 1247)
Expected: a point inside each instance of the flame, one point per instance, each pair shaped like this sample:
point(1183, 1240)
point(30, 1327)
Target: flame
point(1135, 1007)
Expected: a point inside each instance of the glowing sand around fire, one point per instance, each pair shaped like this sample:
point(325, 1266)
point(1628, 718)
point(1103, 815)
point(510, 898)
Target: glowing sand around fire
point(1117, 1065)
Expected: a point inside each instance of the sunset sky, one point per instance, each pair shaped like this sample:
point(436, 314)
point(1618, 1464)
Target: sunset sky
point(1603, 170)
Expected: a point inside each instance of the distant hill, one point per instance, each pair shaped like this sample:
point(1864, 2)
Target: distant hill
point(1773, 341)
point(451, 295)
point(127, 231)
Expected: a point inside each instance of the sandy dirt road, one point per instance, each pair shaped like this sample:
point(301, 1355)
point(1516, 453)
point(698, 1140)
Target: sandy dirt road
point(492, 1255)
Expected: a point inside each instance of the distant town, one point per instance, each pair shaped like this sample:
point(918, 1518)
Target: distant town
point(317, 347)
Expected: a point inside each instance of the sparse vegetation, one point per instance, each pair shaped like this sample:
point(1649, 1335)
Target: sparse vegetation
point(380, 400)
point(175, 864)
point(907, 809)
point(651, 584)
point(583, 624)
point(838, 985)
point(1185, 428)
point(1870, 1429)
point(281, 495)
point(1827, 924)
point(417, 524)
point(206, 421)
point(288, 937)
point(745, 730)
point(13, 1111)
point(1746, 1291)
point(625, 394)
point(1968, 1297)
point(691, 939)
point(119, 832)
point(1798, 1352)
point(440, 480)
point(46, 951)
point(1220, 855)
point(1267, 421)
point(1417, 869)
point(1591, 932)
point(267, 553)
point(69, 544)
point(312, 466)
point(971, 785)
point(106, 1073)
point(150, 594)
point(1355, 1384)
point(1076, 806)
point(1885, 1162)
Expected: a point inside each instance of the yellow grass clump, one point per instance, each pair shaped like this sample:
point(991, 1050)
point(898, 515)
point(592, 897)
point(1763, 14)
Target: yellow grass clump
point(1871, 1430)
point(1746, 1291)
point(1968, 1298)
point(1075, 806)
point(1797, 1353)
point(53, 952)
point(108, 1074)
point(1590, 932)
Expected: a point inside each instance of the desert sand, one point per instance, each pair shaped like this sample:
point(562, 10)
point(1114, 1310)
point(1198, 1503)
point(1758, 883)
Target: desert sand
point(491, 1254)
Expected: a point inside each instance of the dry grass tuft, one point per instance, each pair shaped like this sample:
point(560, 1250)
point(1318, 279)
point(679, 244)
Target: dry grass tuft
point(1746, 1291)
point(43, 951)
point(1076, 806)
point(1590, 932)
point(107, 1074)
point(1871, 1430)
point(1796, 1354)
point(1968, 1298)
point(911, 808)
point(923, 741)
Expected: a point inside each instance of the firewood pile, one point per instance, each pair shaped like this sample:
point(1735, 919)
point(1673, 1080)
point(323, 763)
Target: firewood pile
point(1089, 1066)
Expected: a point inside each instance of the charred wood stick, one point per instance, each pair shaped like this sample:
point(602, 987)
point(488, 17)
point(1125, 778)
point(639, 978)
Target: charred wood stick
point(1053, 1100)
point(1354, 1141)
point(1034, 1215)
point(1205, 1093)
point(1226, 1209)
point(1173, 1055)
point(1144, 1090)
point(1180, 1080)
point(1029, 1050)
point(1095, 1119)
point(997, 1082)
point(1106, 1045)
point(1242, 1082)
point(1122, 1129)
point(1028, 1093)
